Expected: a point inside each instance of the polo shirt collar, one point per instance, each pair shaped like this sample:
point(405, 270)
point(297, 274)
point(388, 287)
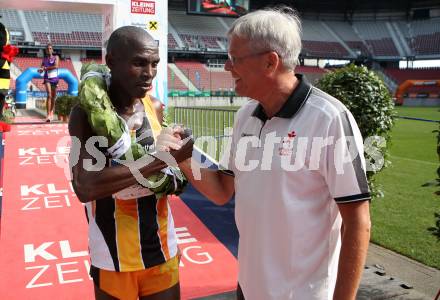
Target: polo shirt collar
point(292, 105)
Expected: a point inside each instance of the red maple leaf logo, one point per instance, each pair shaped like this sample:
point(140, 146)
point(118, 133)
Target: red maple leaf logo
point(291, 134)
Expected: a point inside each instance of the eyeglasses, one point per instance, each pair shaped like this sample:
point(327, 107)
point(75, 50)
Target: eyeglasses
point(234, 59)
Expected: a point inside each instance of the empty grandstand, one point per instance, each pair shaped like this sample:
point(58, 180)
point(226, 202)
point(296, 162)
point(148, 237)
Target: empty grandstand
point(377, 33)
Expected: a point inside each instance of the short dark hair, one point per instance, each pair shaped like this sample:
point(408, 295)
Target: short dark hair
point(123, 38)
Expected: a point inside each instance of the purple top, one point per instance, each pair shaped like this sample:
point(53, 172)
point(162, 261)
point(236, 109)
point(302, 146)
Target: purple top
point(50, 75)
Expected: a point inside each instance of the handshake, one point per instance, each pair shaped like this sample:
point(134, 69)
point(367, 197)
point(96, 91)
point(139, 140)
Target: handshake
point(176, 142)
point(173, 145)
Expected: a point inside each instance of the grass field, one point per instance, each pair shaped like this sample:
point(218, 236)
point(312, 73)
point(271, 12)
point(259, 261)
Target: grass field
point(430, 113)
point(206, 122)
point(400, 219)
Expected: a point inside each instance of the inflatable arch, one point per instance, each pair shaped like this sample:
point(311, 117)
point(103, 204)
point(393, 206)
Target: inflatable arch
point(32, 73)
point(404, 86)
point(149, 15)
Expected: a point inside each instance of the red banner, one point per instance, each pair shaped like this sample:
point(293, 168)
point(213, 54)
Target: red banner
point(143, 7)
point(43, 244)
point(206, 267)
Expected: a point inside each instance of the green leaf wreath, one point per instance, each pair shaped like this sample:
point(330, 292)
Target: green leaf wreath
point(104, 120)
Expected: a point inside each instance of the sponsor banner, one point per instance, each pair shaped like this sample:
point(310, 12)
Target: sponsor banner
point(44, 230)
point(151, 15)
point(207, 267)
point(1, 178)
point(38, 130)
point(42, 94)
point(43, 245)
point(143, 7)
point(29, 119)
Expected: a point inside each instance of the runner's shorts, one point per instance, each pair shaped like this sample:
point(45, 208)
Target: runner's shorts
point(131, 285)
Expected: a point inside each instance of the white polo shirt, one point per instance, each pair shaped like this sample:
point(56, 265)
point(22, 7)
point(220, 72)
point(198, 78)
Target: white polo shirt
point(290, 172)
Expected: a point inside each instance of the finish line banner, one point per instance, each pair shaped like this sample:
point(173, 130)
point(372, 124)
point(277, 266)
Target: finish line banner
point(150, 15)
point(43, 243)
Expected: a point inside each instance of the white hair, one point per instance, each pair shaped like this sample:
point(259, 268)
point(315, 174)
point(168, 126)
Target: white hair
point(275, 29)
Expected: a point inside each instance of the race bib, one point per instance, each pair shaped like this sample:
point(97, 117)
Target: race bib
point(132, 192)
point(52, 73)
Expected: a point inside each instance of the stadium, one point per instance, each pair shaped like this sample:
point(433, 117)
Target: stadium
point(381, 37)
point(397, 40)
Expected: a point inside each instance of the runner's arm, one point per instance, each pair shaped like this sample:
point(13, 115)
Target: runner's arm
point(159, 108)
point(41, 68)
point(90, 185)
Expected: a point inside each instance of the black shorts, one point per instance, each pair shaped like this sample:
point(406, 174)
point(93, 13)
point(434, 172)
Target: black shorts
point(52, 84)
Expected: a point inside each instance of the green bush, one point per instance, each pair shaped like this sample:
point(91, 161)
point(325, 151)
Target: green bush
point(64, 104)
point(435, 230)
point(438, 169)
point(60, 105)
point(7, 117)
point(363, 92)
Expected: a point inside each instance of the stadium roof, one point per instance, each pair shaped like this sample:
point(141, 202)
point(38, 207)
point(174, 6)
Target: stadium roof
point(348, 5)
point(52, 5)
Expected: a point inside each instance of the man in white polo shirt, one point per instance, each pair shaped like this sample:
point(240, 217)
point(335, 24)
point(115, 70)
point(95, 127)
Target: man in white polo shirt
point(296, 167)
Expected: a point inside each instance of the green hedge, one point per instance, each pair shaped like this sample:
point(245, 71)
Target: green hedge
point(364, 93)
point(64, 104)
point(8, 116)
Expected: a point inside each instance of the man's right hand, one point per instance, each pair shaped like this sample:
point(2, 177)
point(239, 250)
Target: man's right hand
point(169, 139)
point(175, 142)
